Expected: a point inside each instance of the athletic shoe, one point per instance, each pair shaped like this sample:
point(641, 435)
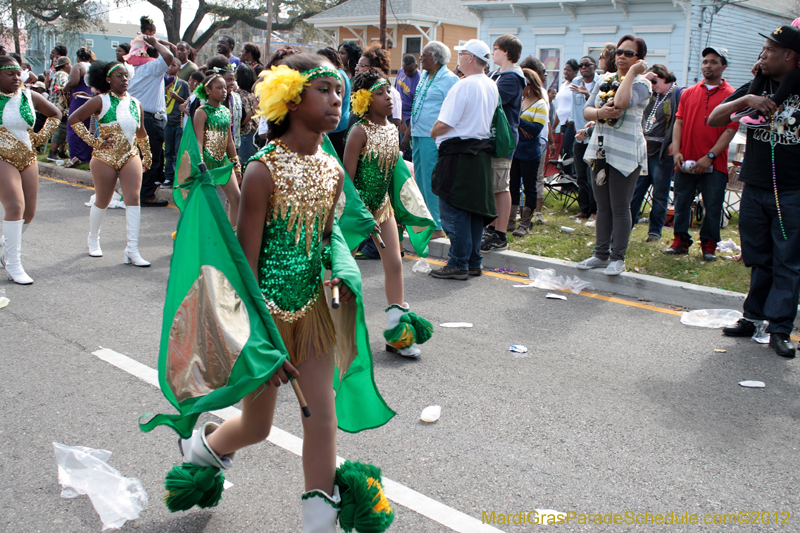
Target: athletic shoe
point(52, 157)
point(782, 344)
point(487, 236)
point(449, 273)
point(678, 247)
point(615, 268)
point(653, 238)
point(167, 184)
point(593, 262)
point(709, 250)
point(495, 244)
point(474, 272)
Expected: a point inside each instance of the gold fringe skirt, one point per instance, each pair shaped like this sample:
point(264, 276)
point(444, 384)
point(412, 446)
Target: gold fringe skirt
point(313, 333)
point(384, 212)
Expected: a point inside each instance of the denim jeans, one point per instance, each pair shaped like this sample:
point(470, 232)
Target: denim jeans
point(172, 140)
point(247, 149)
point(775, 262)
point(464, 230)
point(659, 176)
point(712, 186)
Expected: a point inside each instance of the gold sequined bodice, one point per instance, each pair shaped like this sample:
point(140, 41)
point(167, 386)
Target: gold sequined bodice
point(216, 132)
point(376, 163)
point(290, 262)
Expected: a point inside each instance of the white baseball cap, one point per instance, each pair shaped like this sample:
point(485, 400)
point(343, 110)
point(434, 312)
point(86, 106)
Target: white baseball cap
point(477, 48)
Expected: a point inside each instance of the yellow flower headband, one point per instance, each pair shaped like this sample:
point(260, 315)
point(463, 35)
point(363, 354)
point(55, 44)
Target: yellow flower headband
point(281, 85)
point(362, 98)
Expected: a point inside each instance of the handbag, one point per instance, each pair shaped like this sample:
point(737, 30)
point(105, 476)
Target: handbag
point(502, 138)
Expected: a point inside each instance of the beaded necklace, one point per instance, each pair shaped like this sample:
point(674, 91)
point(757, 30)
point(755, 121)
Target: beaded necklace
point(651, 119)
point(773, 140)
point(420, 96)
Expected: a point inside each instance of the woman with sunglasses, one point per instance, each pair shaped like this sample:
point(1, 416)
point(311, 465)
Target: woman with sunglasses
point(617, 151)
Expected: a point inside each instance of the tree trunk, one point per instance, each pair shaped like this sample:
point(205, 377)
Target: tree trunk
point(15, 27)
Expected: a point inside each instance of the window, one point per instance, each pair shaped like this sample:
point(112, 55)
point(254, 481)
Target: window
point(551, 57)
point(89, 43)
point(114, 44)
point(413, 46)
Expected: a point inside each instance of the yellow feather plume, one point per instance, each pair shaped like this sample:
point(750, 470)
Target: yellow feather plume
point(361, 100)
point(277, 87)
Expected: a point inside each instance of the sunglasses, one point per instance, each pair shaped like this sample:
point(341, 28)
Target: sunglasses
point(582, 65)
point(626, 53)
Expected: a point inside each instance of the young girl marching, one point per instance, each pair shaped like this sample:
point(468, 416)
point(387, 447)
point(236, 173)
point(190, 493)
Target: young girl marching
point(284, 227)
point(115, 152)
point(212, 127)
point(370, 156)
point(19, 172)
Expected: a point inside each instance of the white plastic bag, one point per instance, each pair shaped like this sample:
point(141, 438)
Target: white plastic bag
point(547, 279)
point(728, 246)
point(422, 266)
point(710, 318)
point(84, 470)
point(116, 201)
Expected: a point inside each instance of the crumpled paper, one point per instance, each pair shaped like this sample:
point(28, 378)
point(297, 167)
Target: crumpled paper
point(116, 201)
point(547, 279)
point(83, 470)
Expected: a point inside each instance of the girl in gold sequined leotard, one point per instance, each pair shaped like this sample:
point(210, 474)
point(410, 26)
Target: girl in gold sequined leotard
point(212, 127)
point(370, 156)
point(285, 222)
point(115, 152)
point(18, 166)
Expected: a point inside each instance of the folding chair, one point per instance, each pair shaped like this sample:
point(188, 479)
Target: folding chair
point(561, 186)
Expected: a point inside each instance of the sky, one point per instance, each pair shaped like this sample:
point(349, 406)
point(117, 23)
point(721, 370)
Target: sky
point(131, 12)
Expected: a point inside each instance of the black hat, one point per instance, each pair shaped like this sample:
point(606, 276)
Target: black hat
point(786, 36)
point(721, 52)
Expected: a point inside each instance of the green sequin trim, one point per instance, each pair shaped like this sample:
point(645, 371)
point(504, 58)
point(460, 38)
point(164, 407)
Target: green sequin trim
point(218, 118)
point(11, 67)
point(26, 111)
point(3, 101)
point(111, 115)
point(378, 85)
point(320, 72)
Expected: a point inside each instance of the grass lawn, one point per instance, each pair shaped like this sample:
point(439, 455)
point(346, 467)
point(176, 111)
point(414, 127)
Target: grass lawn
point(79, 166)
point(644, 258)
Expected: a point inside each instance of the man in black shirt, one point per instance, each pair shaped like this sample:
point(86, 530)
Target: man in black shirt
point(768, 219)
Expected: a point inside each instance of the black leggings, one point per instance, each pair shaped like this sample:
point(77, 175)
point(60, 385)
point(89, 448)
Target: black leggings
point(787, 86)
point(524, 173)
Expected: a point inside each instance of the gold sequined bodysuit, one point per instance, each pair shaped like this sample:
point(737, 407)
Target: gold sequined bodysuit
point(376, 167)
point(215, 136)
point(290, 261)
point(120, 118)
point(17, 118)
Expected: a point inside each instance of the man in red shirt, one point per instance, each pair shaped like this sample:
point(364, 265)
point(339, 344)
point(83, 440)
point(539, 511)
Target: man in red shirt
point(701, 156)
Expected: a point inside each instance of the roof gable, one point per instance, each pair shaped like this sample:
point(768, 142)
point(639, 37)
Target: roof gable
point(449, 11)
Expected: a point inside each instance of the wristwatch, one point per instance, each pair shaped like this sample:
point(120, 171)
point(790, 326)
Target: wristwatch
point(711, 155)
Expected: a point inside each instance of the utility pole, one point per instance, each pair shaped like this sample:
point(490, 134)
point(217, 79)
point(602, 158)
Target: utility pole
point(383, 24)
point(267, 51)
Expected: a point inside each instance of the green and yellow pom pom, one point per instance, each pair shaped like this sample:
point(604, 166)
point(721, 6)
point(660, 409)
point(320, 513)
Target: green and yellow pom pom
point(411, 328)
point(365, 508)
point(189, 485)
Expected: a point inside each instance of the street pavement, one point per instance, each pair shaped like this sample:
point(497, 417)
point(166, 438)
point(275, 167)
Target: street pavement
point(614, 408)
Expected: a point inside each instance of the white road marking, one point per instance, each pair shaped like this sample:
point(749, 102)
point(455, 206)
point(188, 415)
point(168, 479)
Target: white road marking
point(396, 492)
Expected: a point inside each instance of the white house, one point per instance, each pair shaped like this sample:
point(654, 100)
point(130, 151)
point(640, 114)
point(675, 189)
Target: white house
point(675, 31)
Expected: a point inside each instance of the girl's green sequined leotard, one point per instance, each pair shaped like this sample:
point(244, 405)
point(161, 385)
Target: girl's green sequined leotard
point(215, 136)
point(290, 261)
point(376, 167)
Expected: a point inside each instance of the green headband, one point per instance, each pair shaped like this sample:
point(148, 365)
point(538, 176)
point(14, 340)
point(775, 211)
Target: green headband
point(112, 69)
point(10, 67)
point(378, 84)
point(219, 70)
point(320, 72)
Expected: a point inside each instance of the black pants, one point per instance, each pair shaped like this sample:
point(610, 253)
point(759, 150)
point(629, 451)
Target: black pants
point(155, 131)
point(525, 173)
point(584, 177)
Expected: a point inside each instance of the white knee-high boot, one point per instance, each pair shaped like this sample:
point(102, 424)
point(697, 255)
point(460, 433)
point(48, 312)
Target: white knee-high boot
point(3, 244)
point(196, 450)
point(96, 216)
point(12, 247)
point(320, 511)
point(133, 216)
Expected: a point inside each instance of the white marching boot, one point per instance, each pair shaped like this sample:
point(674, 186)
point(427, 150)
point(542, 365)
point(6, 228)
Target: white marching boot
point(12, 246)
point(196, 450)
point(393, 314)
point(3, 245)
point(320, 511)
point(133, 216)
point(95, 220)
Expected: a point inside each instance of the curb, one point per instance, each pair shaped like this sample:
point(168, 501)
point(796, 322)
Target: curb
point(84, 177)
point(628, 284)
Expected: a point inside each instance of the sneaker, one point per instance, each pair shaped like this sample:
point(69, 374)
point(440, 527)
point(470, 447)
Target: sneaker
point(593, 262)
point(538, 219)
point(743, 328)
point(653, 238)
point(709, 250)
point(447, 272)
point(52, 157)
point(488, 233)
point(678, 247)
point(62, 154)
point(782, 344)
point(754, 122)
point(474, 272)
point(495, 244)
point(167, 184)
point(746, 112)
point(615, 268)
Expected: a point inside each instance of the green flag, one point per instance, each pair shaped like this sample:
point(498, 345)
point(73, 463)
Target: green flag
point(218, 340)
point(410, 209)
point(187, 163)
point(355, 220)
